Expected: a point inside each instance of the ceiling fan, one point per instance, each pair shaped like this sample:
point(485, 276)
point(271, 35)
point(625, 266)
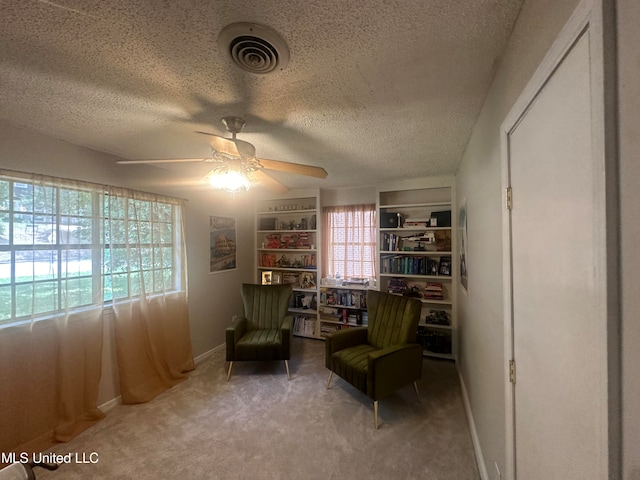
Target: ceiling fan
point(235, 165)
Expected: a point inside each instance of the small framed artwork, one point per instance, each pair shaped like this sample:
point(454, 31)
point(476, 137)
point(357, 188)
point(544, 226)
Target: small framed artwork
point(267, 278)
point(445, 266)
point(276, 278)
point(222, 244)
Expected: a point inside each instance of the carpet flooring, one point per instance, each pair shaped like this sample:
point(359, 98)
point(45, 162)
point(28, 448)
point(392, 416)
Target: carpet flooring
point(261, 426)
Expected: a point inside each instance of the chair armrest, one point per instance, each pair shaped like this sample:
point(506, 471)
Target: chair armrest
point(339, 340)
point(287, 323)
point(392, 368)
point(287, 333)
point(234, 333)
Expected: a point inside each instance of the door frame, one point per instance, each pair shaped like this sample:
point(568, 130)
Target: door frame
point(598, 18)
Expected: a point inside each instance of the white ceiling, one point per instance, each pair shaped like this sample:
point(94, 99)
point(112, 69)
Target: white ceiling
point(374, 90)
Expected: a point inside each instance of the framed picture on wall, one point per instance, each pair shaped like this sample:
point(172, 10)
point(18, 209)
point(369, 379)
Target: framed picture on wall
point(463, 243)
point(222, 244)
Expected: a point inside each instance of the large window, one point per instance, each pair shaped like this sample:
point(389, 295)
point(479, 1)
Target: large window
point(350, 241)
point(69, 246)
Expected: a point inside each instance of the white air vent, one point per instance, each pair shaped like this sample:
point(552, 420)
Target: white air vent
point(254, 48)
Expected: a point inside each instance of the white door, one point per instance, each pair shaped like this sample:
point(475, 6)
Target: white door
point(558, 323)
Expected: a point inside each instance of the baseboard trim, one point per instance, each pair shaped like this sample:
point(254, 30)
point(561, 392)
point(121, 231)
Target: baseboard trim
point(200, 359)
point(482, 467)
point(105, 407)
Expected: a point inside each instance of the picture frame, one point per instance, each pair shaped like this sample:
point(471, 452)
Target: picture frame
point(463, 245)
point(222, 244)
point(276, 278)
point(445, 266)
point(267, 277)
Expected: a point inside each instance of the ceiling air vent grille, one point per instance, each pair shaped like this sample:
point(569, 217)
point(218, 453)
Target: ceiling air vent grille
point(254, 48)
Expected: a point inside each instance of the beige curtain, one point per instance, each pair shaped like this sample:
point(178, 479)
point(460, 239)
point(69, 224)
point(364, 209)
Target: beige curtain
point(146, 243)
point(68, 252)
point(349, 240)
point(51, 328)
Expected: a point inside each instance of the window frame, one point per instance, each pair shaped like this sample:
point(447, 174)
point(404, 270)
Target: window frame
point(92, 249)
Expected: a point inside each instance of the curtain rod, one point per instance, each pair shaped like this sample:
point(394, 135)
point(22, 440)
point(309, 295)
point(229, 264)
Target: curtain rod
point(53, 179)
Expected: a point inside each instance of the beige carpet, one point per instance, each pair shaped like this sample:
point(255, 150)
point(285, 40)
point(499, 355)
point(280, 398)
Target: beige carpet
point(261, 426)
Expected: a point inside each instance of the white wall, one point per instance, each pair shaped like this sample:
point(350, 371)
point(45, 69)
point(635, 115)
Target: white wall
point(348, 196)
point(629, 118)
point(213, 298)
point(480, 312)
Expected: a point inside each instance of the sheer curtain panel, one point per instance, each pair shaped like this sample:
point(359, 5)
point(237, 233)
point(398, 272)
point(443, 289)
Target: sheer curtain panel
point(145, 261)
point(69, 251)
point(349, 241)
point(51, 326)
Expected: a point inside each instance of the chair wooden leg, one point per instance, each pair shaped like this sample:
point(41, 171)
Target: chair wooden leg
point(286, 365)
point(375, 414)
point(415, 385)
point(329, 381)
point(229, 371)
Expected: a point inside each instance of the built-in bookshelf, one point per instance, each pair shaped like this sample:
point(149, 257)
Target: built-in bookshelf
point(416, 252)
point(287, 237)
point(342, 306)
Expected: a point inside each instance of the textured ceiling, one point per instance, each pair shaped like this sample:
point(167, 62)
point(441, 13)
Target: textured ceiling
point(374, 90)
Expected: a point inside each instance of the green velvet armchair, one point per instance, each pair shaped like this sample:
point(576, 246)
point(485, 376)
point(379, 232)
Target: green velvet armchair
point(384, 357)
point(265, 331)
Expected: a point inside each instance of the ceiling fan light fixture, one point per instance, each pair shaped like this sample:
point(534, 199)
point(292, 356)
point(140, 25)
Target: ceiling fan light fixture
point(229, 179)
point(232, 175)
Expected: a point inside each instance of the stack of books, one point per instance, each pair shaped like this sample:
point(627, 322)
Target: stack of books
point(433, 291)
point(397, 285)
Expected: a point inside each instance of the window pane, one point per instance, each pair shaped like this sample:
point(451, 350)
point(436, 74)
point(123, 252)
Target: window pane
point(77, 262)
point(4, 228)
point(23, 197)
point(167, 257)
point(115, 232)
point(4, 195)
point(35, 298)
point(36, 265)
point(5, 303)
point(5, 267)
point(77, 292)
point(120, 285)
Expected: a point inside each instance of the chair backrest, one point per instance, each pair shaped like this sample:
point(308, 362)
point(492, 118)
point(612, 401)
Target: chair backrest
point(393, 319)
point(265, 306)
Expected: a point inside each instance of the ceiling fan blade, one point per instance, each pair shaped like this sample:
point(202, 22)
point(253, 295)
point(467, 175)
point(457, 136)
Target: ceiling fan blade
point(166, 160)
point(268, 182)
point(224, 145)
point(296, 168)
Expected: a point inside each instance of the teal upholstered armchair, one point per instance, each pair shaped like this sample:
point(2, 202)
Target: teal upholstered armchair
point(384, 357)
point(265, 331)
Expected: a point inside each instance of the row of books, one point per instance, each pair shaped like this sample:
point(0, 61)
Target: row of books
point(347, 298)
point(345, 315)
point(302, 261)
point(326, 328)
point(415, 265)
point(428, 290)
point(304, 325)
point(294, 240)
point(396, 243)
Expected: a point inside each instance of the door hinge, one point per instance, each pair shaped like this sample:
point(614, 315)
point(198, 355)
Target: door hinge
point(512, 371)
point(509, 198)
